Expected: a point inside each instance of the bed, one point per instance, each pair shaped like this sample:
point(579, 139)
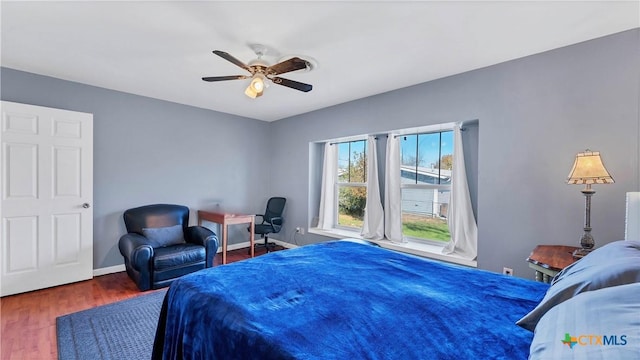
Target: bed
point(350, 300)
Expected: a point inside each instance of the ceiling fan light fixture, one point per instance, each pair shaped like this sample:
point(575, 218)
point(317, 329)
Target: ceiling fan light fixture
point(250, 93)
point(256, 87)
point(257, 82)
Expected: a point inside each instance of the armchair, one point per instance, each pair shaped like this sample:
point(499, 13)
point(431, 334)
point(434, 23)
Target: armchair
point(160, 246)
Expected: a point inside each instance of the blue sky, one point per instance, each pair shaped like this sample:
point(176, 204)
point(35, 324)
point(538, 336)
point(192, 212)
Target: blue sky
point(428, 147)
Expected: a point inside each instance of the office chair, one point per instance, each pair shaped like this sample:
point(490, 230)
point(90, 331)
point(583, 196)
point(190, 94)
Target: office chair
point(271, 221)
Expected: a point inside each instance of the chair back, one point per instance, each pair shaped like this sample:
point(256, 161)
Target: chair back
point(154, 216)
point(275, 207)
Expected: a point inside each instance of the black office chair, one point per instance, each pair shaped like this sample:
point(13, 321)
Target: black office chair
point(271, 221)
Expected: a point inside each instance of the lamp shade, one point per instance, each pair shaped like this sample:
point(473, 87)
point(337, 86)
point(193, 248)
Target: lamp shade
point(589, 169)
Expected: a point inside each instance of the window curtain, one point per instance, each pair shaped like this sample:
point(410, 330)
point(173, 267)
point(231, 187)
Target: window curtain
point(373, 227)
point(392, 192)
point(462, 224)
point(326, 216)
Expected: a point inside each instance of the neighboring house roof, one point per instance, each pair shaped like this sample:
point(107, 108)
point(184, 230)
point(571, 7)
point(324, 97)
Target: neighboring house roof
point(425, 173)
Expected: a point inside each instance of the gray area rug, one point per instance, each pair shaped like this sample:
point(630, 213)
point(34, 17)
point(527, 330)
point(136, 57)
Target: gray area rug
point(121, 330)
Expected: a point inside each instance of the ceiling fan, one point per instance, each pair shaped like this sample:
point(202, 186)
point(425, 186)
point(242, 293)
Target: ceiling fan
point(261, 71)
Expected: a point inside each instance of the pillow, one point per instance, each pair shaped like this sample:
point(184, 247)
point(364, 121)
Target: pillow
point(601, 324)
point(165, 236)
point(608, 253)
point(616, 263)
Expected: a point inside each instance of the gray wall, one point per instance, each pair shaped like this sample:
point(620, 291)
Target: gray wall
point(152, 151)
point(535, 114)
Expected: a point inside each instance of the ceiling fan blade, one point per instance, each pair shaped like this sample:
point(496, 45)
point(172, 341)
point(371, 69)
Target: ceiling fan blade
point(292, 84)
point(286, 66)
point(222, 78)
point(231, 59)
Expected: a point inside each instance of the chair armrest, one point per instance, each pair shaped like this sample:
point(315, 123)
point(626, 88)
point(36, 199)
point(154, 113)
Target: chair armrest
point(260, 216)
point(199, 235)
point(202, 236)
point(276, 223)
point(137, 249)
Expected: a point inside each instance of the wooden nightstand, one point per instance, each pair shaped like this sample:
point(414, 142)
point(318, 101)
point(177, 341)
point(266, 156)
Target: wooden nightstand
point(548, 260)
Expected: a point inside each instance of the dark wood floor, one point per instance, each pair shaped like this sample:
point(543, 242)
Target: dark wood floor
point(28, 321)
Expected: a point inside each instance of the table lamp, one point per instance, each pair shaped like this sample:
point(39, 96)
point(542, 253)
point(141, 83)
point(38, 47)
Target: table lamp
point(588, 169)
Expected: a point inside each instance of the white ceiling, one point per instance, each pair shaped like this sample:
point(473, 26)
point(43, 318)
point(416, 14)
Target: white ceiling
point(163, 49)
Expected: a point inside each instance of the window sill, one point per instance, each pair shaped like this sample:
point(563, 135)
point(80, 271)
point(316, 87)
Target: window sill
point(414, 248)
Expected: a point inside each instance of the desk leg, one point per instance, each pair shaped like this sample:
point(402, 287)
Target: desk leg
point(224, 243)
point(251, 236)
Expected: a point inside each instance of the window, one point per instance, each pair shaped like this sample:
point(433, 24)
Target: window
point(426, 185)
point(351, 184)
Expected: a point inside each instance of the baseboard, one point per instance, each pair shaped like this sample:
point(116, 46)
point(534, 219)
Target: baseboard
point(284, 244)
point(109, 270)
point(121, 268)
point(246, 244)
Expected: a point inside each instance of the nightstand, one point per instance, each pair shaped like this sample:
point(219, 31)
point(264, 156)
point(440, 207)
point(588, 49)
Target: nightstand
point(548, 260)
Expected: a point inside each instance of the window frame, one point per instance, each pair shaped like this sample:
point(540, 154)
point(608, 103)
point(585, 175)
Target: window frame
point(338, 184)
point(426, 186)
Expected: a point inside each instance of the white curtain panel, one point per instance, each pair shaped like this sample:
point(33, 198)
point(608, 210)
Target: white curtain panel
point(373, 227)
point(326, 215)
point(462, 224)
point(392, 192)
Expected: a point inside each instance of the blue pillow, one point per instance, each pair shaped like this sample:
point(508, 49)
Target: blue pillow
point(165, 236)
point(609, 253)
point(601, 324)
point(616, 263)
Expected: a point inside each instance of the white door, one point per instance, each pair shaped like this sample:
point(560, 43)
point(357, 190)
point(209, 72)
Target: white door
point(46, 209)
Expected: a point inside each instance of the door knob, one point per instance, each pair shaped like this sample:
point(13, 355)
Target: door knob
point(86, 205)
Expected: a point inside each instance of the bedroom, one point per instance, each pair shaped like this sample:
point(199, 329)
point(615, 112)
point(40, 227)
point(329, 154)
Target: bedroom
point(535, 114)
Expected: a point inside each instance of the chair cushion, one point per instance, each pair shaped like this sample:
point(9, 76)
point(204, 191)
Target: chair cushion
point(165, 236)
point(263, 229)
point(178, 255)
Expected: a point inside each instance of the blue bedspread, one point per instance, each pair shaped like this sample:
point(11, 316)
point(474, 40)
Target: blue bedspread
point(347, 301)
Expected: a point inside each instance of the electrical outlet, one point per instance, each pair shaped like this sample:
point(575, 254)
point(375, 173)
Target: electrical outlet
point(300, 230)
point(507, 271)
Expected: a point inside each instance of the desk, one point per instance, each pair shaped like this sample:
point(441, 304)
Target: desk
point(549, 260)
point(225, 219)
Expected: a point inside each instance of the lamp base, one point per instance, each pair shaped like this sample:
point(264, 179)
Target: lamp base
point(580, 253)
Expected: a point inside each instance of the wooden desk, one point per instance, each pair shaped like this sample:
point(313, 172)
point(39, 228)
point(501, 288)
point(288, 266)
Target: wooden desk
point(225, 219)
point(549, 260)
